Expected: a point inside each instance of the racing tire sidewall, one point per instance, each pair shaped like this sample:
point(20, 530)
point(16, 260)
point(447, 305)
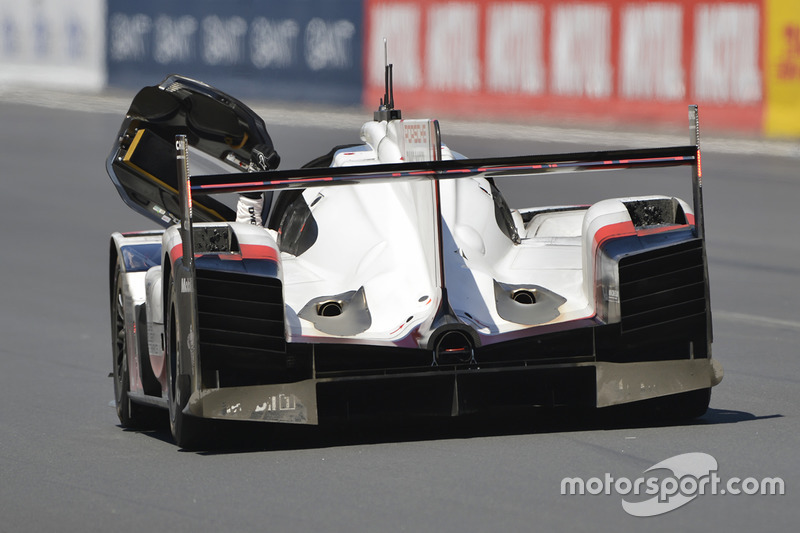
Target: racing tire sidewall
point(119, 340)
point(184, 428)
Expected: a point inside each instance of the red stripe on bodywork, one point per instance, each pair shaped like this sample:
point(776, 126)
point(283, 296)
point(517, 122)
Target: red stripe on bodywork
point(212, 186)
point(259, 251)
point(176, 252)
point(626, 229)
point(620, 229)
point(248, 251)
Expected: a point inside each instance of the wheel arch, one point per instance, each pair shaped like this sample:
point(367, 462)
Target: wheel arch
point(113, 258)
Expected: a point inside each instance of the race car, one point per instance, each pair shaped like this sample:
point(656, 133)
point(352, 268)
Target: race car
point(391, 278)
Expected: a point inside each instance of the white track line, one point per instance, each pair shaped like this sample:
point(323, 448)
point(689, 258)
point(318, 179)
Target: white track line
point(742, 318)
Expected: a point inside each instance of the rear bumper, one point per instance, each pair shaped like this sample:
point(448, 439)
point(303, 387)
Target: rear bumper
point(447, 393)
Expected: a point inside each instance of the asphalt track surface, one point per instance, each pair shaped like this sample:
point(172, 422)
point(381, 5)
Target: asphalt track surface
point(66, 465)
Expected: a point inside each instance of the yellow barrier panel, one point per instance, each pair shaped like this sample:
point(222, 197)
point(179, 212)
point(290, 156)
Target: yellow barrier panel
point(782, 68)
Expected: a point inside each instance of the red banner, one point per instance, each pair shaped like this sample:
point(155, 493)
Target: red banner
point(611, 60)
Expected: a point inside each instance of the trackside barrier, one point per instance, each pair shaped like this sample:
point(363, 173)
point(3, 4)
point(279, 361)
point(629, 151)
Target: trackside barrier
point(615, 59)
point(55, 43)
point(300, 50)
point(782, 57)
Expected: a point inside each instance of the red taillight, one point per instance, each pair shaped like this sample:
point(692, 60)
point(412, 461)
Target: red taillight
point(699, 165)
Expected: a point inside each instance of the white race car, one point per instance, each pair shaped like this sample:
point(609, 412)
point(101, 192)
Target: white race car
point(391, 278)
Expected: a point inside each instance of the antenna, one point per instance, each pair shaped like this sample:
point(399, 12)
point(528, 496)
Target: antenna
point(386, 110)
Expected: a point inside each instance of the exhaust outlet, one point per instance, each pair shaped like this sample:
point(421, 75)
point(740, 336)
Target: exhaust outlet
point(524, 296)
point(345, 314)
point(329, 308)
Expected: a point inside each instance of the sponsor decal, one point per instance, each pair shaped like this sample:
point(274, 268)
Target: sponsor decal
point(307, 50)
point(416, 140)
point(190, 344)
point(233, 409)
point(726, 53)
point(278, 402)
point(225, 41)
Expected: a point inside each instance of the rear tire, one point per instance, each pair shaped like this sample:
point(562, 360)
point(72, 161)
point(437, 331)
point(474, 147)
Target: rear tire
point(187, 431)
point(131, 415)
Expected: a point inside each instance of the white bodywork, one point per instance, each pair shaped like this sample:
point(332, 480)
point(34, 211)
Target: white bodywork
point(389, 231)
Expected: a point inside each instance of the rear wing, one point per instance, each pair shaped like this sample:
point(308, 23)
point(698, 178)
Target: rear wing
point(497, 168)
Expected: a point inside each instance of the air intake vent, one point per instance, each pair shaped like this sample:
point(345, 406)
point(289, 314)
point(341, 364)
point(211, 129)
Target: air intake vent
point(241, 322)
point(663, 291)
point(655, 212)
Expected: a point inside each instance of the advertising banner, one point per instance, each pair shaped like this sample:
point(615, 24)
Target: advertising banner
point(783, 68)
point(618, 60)
point(300, 50)
point(613, 59)
point(53, 43)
